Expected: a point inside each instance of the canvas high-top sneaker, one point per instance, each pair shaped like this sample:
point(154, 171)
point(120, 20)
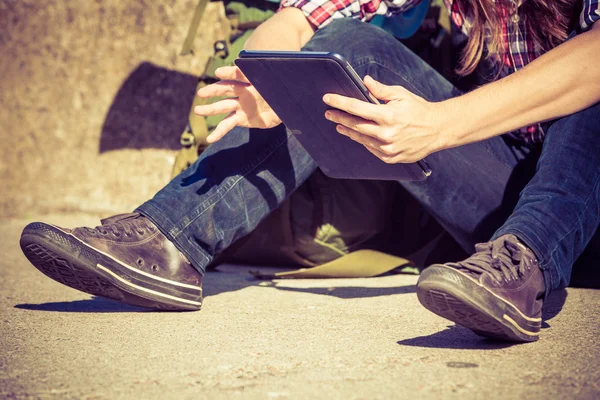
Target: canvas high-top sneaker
point(126, 258)
point(497, 292)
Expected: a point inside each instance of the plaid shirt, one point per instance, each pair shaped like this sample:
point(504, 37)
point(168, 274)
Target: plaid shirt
point(519, 48)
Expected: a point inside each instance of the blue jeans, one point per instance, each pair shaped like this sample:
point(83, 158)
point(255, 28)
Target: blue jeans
point(472, 192)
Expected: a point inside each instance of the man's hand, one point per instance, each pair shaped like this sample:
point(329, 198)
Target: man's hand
point(288, 29)
point(244, 106)
point(405, 129)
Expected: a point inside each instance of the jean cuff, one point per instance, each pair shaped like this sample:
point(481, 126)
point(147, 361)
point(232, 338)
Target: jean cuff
point(539, 248)
point(196, 255)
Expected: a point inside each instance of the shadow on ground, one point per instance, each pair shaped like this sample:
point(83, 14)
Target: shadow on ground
point(93, 305)
point(218, 282)
point(352, 292)
point(224, 281)
point(553, 305)
point(150, 110)
point(454, 337)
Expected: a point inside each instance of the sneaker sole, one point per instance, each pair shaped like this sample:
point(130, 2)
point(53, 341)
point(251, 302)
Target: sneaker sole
point(456, 297)
point(68, 260)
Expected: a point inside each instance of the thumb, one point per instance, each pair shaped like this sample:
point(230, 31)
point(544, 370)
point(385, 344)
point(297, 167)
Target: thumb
point(231, 73)
point(385, 92)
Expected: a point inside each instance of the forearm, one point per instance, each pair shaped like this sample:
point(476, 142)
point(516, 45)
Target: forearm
point(561, 82)
point(287, 30)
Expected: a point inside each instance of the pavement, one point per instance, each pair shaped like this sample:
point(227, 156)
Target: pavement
point(333, 339)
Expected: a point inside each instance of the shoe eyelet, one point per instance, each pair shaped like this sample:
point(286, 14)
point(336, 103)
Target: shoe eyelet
point(140, 262)
point(117, 234)
point(129, 234)
point(140, 232)
point(154, 267)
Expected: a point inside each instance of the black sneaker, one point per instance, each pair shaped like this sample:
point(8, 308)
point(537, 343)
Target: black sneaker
point(126, 258)
point(497, 292)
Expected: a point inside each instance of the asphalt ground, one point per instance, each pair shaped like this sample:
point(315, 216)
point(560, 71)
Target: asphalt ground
point(329, 339)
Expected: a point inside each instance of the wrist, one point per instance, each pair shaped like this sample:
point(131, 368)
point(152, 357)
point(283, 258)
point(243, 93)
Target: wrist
point(445, 124)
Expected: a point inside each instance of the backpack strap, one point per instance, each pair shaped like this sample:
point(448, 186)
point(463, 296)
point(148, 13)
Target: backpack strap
point(243, 16)
point(193, 29)
point(358, 264)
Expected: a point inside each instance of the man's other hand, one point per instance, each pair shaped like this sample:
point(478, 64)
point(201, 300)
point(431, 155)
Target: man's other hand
point(243, 104)
point(405, 128)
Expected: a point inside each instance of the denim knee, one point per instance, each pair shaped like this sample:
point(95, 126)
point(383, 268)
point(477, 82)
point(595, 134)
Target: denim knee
point(353, 39)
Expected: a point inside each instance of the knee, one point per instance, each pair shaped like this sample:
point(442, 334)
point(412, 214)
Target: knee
point(581, 129)
point(570, 158)
point(335, 34)
point(351, 38)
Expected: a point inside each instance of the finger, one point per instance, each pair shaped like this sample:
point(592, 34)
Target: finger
point(224, 106)
point(377, 153)
point(385, 92)
point(222, 128)
point(372, 112)
point(231, 74)
point(376, 147)
point(222, 89)
point(358, 124)
point(365, 140)
point(372, 145)
point(393, 157)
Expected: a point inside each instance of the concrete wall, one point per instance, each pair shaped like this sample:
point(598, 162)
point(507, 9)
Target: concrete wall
point(93, 96)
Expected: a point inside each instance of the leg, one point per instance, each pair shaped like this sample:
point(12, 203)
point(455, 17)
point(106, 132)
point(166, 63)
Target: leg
point(499, 291)
point(224, 195)
point(137, 260)
point(559, 210)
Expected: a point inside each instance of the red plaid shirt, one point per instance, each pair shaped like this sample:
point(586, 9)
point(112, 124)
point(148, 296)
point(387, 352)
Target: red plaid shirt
point(519, 48)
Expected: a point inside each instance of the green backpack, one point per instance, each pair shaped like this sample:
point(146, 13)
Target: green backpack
point(243, 18)
point(329, 227)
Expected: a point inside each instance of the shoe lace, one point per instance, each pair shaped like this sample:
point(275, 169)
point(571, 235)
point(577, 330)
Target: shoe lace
point(502, 259)
point(124, 223)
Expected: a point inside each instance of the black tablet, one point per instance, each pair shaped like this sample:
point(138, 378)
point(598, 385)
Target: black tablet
point(293, 84)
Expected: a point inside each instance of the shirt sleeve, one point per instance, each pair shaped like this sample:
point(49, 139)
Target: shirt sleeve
point(322, 12)
point(589, 15)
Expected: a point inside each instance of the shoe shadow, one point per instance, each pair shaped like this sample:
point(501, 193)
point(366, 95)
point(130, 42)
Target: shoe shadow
point(553, 305)
point(455, 337)
point(219, 281)
point(93, 305)
point(352, 292)
point(230, 278)
point(216, 282)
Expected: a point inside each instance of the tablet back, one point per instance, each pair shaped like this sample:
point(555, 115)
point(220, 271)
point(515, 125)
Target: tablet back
point(294, 88)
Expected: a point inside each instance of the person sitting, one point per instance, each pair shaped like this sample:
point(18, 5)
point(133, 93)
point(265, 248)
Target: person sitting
point(516, 162)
